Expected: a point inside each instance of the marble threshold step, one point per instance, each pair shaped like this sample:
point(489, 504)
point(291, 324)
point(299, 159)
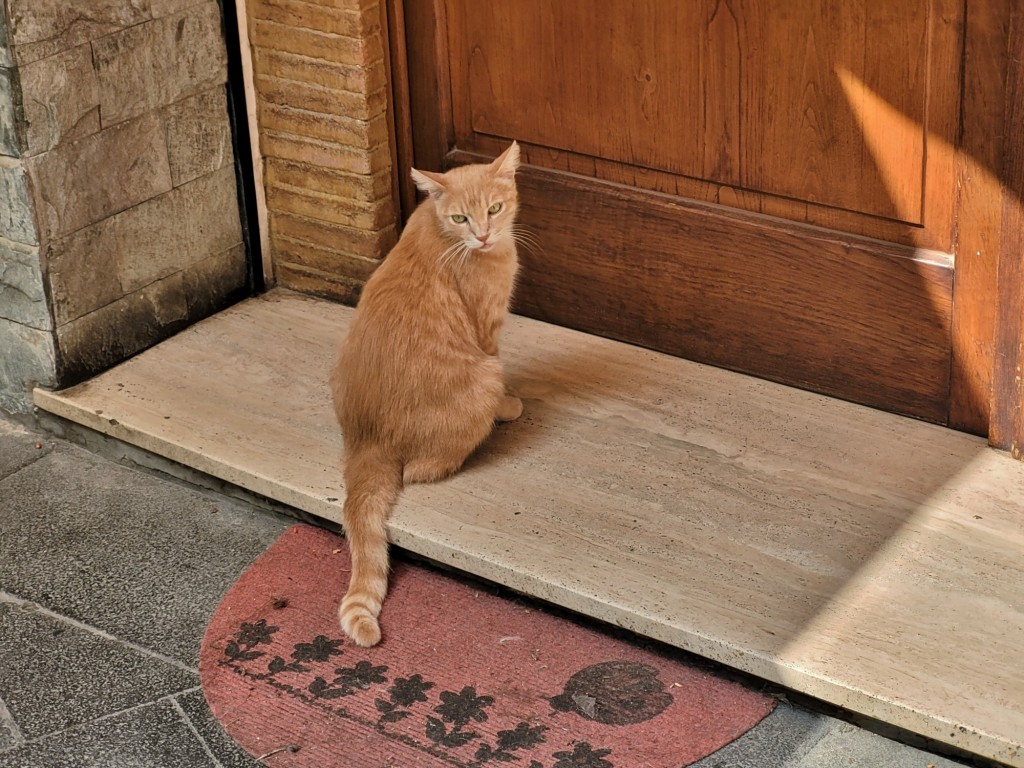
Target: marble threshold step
point(869, 560)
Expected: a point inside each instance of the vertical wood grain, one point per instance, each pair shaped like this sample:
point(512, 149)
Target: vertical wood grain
point(399, 102)
point(722, 109)
point(1008, 386)
point(737, 92)
point(978, 215)
point(429, 81)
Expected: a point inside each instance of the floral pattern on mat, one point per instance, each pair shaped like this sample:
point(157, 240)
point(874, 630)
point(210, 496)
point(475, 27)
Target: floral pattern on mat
point(463, 677)
point(617, 692)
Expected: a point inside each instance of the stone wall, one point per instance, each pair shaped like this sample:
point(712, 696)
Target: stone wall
point(119, 220)
point(320, 78)
point(27, 352)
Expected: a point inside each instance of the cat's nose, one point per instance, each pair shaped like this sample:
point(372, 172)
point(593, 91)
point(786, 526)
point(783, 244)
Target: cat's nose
point(483, 238)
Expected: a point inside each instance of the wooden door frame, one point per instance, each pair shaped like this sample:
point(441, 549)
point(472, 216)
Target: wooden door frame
point(1007, 421)
point(988, 307)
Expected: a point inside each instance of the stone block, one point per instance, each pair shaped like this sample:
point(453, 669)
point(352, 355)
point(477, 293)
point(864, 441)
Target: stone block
point(289, 251)
point(16, 218)
point(97, 265)
point(101, 339)
point(82, 269)
point(160, 62)
point(41, 28)
point(325, 154)
point(357, 242)
point(351, 185)
point(98, 340)
point(345, 22)
point(337, 210)
point(215, 281)
point(306, 42)
point(326, 74)
point(316, 283)
point(11, 124)
point(28, 359)
point(83, 182)
point(198, 135)
point(160, 8)
point(22, 296)
point(336, 129)
point(6, 56)
point(315, 98)
point(61, 99)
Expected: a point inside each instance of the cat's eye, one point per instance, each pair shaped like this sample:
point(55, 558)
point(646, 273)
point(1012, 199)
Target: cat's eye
point(494, 208)
point(459, 218)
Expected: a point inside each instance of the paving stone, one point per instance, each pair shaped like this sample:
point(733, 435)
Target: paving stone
point(10, 733)
point(16, 220)
point(140, 557)
point(198, 135)
point(81, 182)
point(781, 740)
point(152, 736)
point(123, 253)
point(61, 99)
point(224, 748)
point(846, 746)
point(18, 448)
point(29, 358)
point(22, 296)
point(54, 675)
point(160, 62)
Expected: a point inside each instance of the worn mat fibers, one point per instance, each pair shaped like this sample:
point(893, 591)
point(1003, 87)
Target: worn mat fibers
point(462, 678)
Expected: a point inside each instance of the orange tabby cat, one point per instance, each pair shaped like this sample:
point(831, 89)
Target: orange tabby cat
point(418, 384)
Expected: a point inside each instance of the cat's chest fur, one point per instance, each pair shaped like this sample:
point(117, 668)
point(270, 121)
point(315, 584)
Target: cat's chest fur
point(486, 288)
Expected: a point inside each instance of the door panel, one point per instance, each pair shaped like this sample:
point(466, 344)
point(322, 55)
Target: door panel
point(673, 277)
point(745, 96)
point(766, 187)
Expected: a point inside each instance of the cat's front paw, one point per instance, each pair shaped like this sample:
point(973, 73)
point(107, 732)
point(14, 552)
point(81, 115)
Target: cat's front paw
point(509, 409)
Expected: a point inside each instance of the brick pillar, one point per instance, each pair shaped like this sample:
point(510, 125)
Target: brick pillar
point(319, 74)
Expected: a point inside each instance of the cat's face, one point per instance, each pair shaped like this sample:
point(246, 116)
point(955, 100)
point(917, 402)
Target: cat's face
point(476, 204)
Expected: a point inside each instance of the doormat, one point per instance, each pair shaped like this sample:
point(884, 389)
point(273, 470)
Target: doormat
point(462, 678)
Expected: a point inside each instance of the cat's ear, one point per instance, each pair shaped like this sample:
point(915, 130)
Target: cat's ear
point(431, 183)
point(507, 162)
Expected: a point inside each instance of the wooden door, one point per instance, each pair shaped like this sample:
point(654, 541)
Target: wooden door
point(775, 188)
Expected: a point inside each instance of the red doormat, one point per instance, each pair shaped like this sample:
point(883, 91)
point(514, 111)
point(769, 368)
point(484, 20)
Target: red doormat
point(462, 678)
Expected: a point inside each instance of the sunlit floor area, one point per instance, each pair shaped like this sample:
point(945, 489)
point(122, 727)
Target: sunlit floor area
point(869, 560)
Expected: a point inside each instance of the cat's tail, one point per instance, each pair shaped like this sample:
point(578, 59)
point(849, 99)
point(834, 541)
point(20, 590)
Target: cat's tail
point(373, 482)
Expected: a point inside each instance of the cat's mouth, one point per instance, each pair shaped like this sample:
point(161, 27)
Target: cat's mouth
point(484, 246)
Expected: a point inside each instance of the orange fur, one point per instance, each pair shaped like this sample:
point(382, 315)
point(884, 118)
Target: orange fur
point(418, 384)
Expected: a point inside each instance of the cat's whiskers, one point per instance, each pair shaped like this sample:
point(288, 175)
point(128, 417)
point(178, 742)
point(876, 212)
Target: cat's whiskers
point(450, 254)
point(463, 256)
point(527, 239)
